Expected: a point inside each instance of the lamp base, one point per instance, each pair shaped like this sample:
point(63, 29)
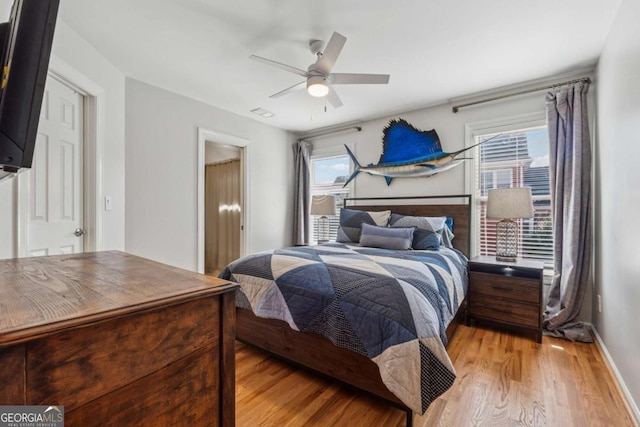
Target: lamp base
point(323, 229)
point(507, 240)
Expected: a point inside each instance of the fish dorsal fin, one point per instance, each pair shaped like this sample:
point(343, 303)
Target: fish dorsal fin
point(403, 143)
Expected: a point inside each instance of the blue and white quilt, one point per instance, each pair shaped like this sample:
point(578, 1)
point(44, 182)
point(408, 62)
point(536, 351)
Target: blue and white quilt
point(391, 306)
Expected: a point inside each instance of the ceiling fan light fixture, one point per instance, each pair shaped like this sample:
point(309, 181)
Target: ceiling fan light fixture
point(317, 86)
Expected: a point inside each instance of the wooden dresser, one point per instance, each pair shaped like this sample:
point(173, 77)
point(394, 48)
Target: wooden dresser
point(117, 340)
point(509, 293)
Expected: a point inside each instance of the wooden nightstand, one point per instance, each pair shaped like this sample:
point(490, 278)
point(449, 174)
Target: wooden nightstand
point(509, 293)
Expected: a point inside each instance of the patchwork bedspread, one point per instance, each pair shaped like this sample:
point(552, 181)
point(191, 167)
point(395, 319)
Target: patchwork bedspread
point(391, 306)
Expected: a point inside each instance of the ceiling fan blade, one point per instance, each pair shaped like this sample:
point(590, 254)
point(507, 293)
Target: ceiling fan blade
point(351, 79)
point(333, 98)
point(326, 62)
point(285, 67)
point(286, 91)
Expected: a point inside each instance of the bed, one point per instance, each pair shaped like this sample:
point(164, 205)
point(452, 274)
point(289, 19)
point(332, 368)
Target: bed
point(404, 361)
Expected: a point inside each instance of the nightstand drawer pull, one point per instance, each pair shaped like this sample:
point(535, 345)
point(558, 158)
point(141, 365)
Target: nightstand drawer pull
point(502, 288)
point(502, 311)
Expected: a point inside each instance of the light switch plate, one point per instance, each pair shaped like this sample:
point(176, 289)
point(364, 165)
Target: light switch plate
point(107, 203)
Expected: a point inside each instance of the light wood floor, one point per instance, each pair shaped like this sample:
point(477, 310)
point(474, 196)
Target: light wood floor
point(503, 380)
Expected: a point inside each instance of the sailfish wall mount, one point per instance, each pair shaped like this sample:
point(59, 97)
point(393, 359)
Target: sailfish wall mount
point(408, 152)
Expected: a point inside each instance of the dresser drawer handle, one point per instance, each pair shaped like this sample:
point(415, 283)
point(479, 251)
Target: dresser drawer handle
point(503, 311)
point(502, 288)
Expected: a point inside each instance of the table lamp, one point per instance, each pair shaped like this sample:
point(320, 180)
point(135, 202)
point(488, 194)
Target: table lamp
point(323, 205)
point(507, 204)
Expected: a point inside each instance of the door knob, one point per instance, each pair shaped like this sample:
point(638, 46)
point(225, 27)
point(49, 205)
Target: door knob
point(79, 232)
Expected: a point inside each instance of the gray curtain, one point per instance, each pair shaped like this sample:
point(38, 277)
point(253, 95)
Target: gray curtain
point(302, 191)
point(570, 173)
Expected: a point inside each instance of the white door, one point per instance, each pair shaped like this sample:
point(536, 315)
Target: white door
point(54, 223)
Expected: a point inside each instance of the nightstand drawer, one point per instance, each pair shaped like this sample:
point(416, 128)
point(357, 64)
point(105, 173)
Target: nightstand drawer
point(505, 311)
point(496, 286)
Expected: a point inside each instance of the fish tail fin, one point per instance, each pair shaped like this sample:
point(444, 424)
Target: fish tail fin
point(356, 165)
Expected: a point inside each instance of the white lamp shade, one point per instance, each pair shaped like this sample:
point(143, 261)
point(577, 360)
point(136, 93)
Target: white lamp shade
point(323, 205)
point(510, 203)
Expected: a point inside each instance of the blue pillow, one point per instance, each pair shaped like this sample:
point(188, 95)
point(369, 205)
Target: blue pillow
point(386, 237)
point(449, 223)
point(447, 233)
point(351, 221)
point(428, 232)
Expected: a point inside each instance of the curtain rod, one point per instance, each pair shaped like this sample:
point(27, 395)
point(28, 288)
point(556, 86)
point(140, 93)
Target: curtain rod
point(537, 89)
point(331, 132)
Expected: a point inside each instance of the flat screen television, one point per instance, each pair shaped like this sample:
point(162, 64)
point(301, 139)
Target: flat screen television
point(26, 47)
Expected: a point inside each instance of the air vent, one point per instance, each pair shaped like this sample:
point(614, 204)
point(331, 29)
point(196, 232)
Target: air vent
point(262, 112)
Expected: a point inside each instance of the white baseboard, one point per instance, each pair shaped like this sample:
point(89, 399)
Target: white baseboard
point(614, 369)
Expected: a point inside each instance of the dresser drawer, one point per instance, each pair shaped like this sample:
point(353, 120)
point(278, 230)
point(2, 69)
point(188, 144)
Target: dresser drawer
point(502, 310)
point(496, 286)
point(79, 366)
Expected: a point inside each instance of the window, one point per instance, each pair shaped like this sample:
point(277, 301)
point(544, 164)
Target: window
point(499, 178)
point(328, 175)
point(518, 158)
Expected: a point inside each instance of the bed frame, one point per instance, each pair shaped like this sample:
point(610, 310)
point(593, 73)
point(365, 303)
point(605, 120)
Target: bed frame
point(316, 352)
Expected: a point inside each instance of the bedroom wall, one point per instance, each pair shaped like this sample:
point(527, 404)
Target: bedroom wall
point(161, 175)
point(71, 49)
point(451, 130)
point(6, 186)
point(6, 218)
point(617, 259)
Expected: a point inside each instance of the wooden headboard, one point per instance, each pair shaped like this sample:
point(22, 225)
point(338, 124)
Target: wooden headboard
point(457, 207)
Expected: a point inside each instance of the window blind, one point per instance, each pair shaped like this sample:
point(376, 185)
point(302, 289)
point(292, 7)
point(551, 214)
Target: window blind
point(334, 221)
point(517, 159)
point(328, 176)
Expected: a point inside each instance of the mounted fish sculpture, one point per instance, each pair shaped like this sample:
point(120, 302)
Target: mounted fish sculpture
point(408, 152)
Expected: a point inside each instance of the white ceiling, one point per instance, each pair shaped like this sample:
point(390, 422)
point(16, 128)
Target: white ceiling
point(434, 50)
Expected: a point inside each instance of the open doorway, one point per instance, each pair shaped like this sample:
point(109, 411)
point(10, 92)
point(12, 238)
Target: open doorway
point(222, 226)
point(223, 188)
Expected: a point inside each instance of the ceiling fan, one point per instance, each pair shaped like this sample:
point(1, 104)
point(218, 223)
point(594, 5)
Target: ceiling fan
point(319, 78)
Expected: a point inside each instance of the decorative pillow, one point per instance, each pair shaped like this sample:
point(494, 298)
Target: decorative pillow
point(447, 233)
point(449, 223)
point(428, 229)
point(387, 237)
point(351, 221)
